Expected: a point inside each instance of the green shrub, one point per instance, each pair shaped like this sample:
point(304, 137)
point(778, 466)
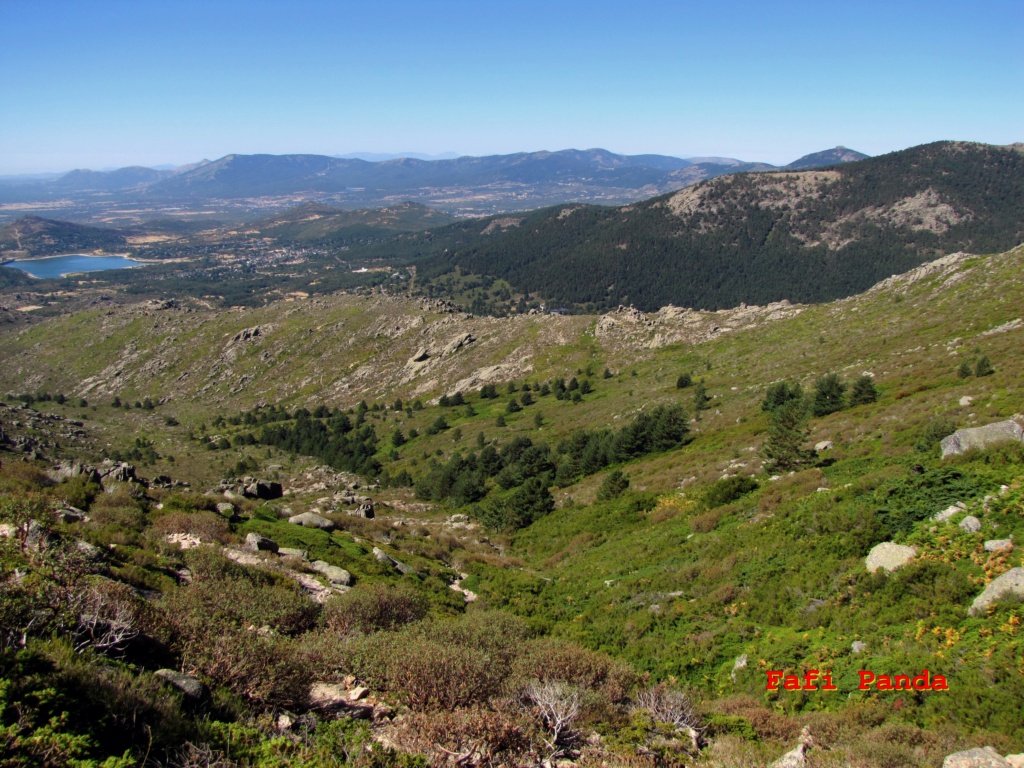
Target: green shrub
point(727, 490)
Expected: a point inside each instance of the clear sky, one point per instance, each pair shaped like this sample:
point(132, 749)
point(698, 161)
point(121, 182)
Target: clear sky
point(101, 84)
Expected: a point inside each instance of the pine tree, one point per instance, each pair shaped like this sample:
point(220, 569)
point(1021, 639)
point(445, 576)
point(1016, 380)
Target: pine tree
point(783, 447)
point(829, 395)
point(984, 367)
point(863, 391)
point(614, 485)
point(964, 371)
point(700, 397)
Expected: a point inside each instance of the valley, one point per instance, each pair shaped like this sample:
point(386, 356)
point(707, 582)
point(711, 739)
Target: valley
point(262, 506)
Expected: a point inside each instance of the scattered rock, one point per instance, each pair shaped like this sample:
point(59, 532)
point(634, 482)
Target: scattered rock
point(334, 574)
point(964, 440)
point(358, 693)
point(36, 537)
point(966, 401)
point(824, 445)
point(740, 663)
point(998, 545)
point(986, 757)
point(184, 540)
point(72, 515)
point(289, 552)
point(796, 758)
point(226, 509)
point(312, 520)
point(258, 543)
point(331, 696)
point(858, 646)
point(888, 556)
point(971, 524)
point(948, 512)
point(90, 551)
point(458, 343)
point(363, 510)
point(1010, 583)
point(192, 687)
point(8, 531)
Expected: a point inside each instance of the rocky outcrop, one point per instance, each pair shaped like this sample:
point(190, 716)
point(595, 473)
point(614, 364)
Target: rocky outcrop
point(985, 757)
point(987, 436)
point(1010, 583)
point(888, 556)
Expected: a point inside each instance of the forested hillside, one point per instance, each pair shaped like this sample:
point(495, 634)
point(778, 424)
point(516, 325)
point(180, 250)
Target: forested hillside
point(755, 238)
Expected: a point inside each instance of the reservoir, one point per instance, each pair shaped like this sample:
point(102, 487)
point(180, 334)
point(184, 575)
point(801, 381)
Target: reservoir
point(56, 266)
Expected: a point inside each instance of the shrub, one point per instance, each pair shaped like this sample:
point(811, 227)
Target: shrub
point(684, 381)
point(727, 490)
point(932, 435)
point(983, 367)
point(470, 736)
point(374, 608)
point(613, 486)
point(425, 673)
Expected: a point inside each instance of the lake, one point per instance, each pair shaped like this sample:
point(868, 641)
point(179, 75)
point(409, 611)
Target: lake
point(55, 266)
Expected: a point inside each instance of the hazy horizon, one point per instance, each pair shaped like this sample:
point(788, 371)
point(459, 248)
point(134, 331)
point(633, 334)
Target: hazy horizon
point(111, 83)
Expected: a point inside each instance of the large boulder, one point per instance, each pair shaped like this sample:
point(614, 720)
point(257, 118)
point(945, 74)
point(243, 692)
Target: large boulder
point(1010, 583)
point(334, 574)
point(192, 687)
point(998, 545)
point(312, 520)
point(985, 757)
point(971, 524)
point(264, 489)
point(888, 556)
point(964, 440)
point(258, 543)
point(118, 471)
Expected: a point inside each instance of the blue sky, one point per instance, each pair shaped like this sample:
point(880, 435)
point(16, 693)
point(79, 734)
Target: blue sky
point(103, 84)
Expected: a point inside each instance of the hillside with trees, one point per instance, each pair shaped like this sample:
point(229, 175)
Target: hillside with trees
point(756, 238)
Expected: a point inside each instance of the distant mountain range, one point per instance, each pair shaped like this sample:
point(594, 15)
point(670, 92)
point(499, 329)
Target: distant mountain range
point(463, 185)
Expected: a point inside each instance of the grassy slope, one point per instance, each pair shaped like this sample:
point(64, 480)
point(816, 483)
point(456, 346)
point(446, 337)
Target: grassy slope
point(777, 575)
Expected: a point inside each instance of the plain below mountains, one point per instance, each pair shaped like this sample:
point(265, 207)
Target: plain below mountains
point(464, 185)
